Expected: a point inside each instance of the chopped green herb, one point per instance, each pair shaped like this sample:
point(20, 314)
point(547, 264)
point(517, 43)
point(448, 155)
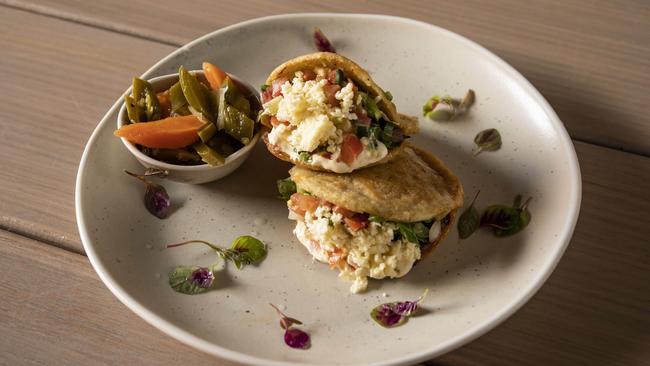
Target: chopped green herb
point(286, 187)
point(389, 96)
point(414, 232)
point(340, 78)
point(375, 218)
point(387, 134)
point(304, 156)
point(362, 130)
point(264, 87)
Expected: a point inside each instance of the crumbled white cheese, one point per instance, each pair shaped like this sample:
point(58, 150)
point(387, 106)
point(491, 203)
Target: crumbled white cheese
point(312, 132)
point(371, 252)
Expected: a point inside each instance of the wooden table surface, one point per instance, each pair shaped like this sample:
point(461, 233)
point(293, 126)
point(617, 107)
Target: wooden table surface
point(64, 62)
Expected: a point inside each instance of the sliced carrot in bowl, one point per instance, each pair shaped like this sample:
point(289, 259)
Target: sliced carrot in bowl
point(168, 133)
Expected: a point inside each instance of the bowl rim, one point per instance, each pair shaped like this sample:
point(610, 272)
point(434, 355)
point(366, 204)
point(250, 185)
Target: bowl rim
point(472, 333)
point(121, 121)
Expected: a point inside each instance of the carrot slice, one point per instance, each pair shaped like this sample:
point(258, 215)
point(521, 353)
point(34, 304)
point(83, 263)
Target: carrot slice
point(168, 133)
point(214, 75)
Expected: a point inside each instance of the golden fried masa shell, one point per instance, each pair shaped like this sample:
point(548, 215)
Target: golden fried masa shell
point(413, 186)
point(359, 76)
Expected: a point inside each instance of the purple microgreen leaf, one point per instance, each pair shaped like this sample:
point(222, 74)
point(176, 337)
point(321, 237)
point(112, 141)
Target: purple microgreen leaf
point(296, 338)
point(394, 314)
point(156, 199)
point(321, 42)
point(191, 280)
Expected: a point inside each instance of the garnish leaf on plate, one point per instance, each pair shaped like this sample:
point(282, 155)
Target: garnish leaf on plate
point(244, 250)
point(507, 220)
point(469, 221)
point(191, 280)
point(487, 140)
point(394, 314)
point(294, 338)
point(321, 42)
point(445, 108)
point(156, 198)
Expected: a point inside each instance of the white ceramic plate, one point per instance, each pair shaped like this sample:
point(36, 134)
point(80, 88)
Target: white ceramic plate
point(474, 284)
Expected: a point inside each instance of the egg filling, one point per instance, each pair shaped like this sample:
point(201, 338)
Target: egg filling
point(322, 119)
point(349, 241)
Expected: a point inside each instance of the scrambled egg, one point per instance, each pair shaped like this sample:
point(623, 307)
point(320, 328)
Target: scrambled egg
point(304, 105)
point(371, 252)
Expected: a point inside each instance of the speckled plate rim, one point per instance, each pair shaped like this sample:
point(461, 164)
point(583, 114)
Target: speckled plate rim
point(426, 354)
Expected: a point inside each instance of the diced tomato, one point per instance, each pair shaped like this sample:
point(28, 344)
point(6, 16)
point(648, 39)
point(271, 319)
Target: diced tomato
point(331, 76)
point(267, 95)
point(326, 155)
point(330, 93)
point(343, 211)
point(356, 223)
point(277, 86)
point(275, 122)
point(350, 148)
point(308, 75)
point(337, 257)
point(302, 203)
point(362, 116)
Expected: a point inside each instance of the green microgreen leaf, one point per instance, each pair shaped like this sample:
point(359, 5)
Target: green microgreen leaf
point(469, 220)
point(487, 140)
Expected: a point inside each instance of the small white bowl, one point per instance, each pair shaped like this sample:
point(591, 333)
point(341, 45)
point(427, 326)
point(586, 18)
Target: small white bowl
point(193, 174)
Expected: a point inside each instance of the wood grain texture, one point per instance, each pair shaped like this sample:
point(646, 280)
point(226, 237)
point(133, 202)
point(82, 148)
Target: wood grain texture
point(591, 60)
point(56, 311)
point(59, 79)
point(593, 309)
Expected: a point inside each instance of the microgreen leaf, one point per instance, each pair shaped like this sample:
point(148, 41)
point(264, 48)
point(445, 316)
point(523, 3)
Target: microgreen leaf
point(507, 220)
point(394, 314)
point(191, 280)
point(321, 42)
point(250, 250)
point(286, 187)
point(469, 220)
point(487, 140)
point(244, 250)
point(294, 338)
point(263, 87)
point(467, 101)
point(156, 199)
point(445, 108)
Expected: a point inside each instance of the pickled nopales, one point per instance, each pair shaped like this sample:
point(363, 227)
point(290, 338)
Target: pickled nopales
point(238, 125)
point(208, 154)
point(224, 111)
point(194, 92)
